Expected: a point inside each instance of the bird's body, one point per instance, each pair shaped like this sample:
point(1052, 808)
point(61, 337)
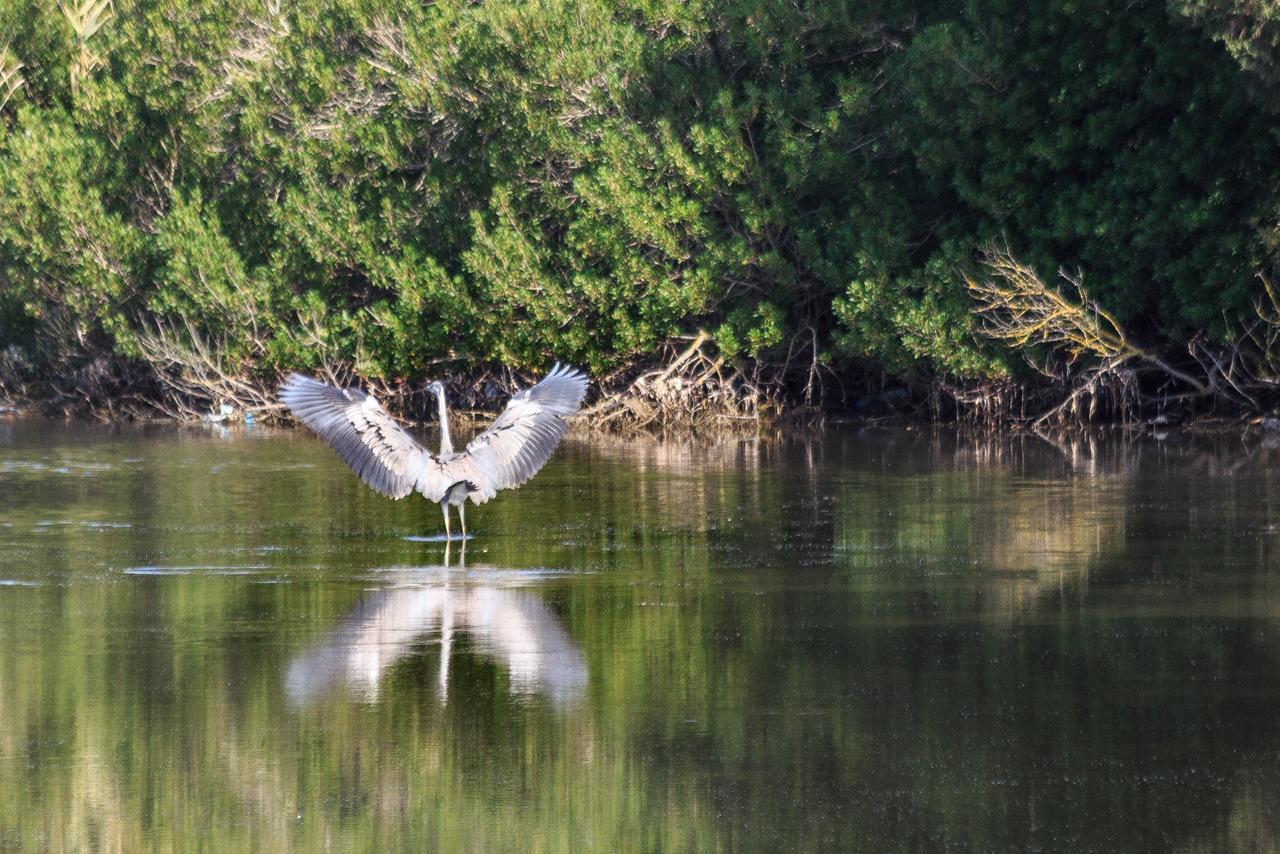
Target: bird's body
point(390, 461)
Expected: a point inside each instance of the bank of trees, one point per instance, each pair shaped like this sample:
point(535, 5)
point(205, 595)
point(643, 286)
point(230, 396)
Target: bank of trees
point(197, 195)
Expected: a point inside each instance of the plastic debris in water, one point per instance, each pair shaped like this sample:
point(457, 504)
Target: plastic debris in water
point(223, 413)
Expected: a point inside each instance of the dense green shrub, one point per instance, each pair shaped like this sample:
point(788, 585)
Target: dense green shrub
point(393, 184)
point(1119, 142)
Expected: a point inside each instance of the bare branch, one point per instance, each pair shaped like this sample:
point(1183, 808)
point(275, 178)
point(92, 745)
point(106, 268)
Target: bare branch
point(1017, 307)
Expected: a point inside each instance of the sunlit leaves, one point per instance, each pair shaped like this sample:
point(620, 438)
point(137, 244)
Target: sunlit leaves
point(396, 184)
point(10, 75)
point(86, 19)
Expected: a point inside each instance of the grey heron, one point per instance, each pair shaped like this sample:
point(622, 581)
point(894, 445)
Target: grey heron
point(508, 453)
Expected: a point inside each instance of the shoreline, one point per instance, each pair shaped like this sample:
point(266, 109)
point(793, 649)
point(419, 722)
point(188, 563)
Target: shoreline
point(782, 421)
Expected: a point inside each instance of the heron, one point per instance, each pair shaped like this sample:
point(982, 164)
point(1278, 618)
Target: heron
point(512, 450)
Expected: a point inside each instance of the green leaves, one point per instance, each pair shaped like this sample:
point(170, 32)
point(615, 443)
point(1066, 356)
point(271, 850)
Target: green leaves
point(201, 279)
point(1118, 142)
point(395, 185)
point(69, 261)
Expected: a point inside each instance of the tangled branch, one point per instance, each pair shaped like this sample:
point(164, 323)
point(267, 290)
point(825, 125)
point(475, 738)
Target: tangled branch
point(694, 390)
point(196, 374)
point(1015, 306)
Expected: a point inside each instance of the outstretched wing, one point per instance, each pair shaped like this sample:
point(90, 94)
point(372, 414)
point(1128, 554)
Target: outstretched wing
point(360, 430)
point(523, 437)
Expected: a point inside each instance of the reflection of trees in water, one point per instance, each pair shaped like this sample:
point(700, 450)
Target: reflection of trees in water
point(690, 485)
point(983, 530)
point(1253, 824)
point(740, 696)
point(1016, 520)
point(175, 739)
point(645, 456)
point(1041, 539)
point(510, 626)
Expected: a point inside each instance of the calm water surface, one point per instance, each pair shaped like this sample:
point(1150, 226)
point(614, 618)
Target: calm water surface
point(856, 641)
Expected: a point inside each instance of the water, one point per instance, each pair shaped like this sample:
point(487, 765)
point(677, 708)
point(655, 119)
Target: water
point(869, 641)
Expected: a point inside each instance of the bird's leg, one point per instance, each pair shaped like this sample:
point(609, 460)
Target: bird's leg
point(462, 517)
point(448, 535)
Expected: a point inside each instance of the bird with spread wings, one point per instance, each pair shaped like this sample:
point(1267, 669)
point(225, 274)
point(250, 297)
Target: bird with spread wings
point(387, 458)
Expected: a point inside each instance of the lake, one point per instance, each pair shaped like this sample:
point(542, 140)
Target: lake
point(850, 640)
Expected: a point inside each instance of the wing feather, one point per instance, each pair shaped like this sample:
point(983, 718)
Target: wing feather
point(523, 437)
point(360, 430)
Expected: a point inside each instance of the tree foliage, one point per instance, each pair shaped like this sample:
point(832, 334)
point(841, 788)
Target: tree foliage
point(393, 185)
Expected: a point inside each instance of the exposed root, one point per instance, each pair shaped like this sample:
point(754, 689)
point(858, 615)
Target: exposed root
point(15, 372)
point(693, 391)
point(195, 376)
point(986, 404)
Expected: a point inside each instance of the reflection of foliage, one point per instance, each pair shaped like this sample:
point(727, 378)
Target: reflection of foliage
point(1252, 825)
point(205, 732)
point(781, 640)
point(1016, 538)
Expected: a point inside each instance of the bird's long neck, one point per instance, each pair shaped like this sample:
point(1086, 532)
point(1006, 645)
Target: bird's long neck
point(446, 444)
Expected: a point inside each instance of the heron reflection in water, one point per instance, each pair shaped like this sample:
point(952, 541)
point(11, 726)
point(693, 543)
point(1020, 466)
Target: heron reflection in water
point(511, 626)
